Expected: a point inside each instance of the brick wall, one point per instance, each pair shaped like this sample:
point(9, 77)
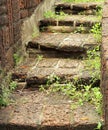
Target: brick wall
point(12, 15)
point(6, 37)
point(27, 7)
point(104, 60)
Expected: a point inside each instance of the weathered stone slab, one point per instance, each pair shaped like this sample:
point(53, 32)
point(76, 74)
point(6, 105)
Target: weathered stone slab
point(38, 111)
point(65, 42)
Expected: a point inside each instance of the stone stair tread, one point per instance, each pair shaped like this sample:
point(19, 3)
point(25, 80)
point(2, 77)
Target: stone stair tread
point(37, 110)
point(71, 20)
point(79, 5)
point(64, 41)
point(38, 71)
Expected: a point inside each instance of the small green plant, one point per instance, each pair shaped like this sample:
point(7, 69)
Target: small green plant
point(97, 30)
point(99, 126)
point(7, 87)
point(92, 64)
point(51, 14)
point(98, 12)
point(16, 58)
point(12, 85)
point(4, 95)
point(39, 57)
point(80, 29)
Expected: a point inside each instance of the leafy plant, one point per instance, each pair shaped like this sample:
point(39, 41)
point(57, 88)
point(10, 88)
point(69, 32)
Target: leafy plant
point(51, 14)
point(4, 95)
point(39, 57)
point(7, 87)
point(16, 58)
point(96, 30)
point(98, 12)
point(99, 126)
point(92, 64)
point(80, 29)
point(12, 85)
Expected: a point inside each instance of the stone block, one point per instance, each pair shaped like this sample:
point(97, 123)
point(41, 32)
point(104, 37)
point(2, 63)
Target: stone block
point(4, 20)
point(3, 9)
point(2, 2)
point(23, 13)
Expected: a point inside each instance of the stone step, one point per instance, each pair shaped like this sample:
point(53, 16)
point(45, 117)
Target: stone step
point(87, 8)
point(65, 29)
point(33, 110)
point(67, 42)
point(36, 72)
point(70, 20)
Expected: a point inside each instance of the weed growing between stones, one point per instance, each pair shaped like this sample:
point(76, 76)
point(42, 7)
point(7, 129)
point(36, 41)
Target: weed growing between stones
point(80, 29)
point(99, 126)
point(51, 14)
point(93, 63)
point(97, 30)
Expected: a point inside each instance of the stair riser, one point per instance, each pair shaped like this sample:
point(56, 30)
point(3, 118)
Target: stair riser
point(64, 49)
point(70, 12)
point(64, 29)
point(44, 23)
point(27, 127)
point(33, 53)
point(78, 8)
point(36, 81)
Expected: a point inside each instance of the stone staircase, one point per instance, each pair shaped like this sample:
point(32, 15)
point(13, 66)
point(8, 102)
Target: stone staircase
point(61, 50)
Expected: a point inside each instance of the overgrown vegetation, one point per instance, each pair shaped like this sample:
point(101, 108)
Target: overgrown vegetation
point(97, 30)
point(17, 59)
point(80, 94)
point(7, 87)
point(77, 90)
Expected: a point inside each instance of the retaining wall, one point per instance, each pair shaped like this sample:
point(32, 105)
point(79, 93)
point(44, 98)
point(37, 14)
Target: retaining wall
point(104, 60)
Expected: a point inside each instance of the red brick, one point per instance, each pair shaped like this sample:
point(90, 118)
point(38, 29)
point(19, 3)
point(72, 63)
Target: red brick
point(23, 13)
point(4, 20)
point(2, 2)
point(3, 9)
